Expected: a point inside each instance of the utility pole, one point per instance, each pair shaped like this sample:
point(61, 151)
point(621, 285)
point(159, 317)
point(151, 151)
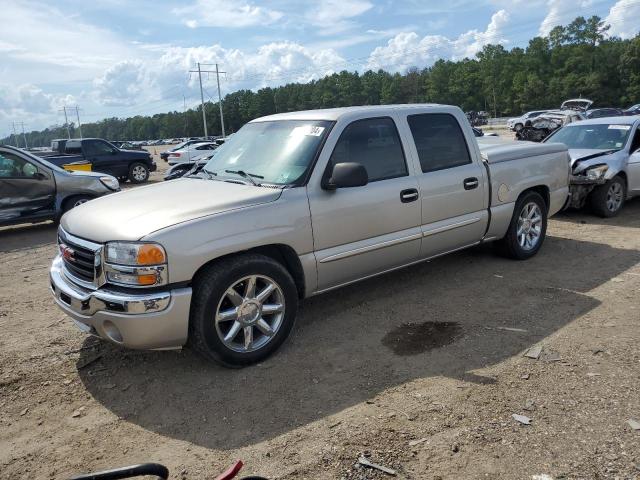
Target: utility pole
point(184, 113)
point(220, 102)
point(66, 121)
point(24, 136)
point(15, 135)
point(78, 117)
point(217, 72)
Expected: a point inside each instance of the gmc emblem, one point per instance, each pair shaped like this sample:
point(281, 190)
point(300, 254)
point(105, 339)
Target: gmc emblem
point(66, 251)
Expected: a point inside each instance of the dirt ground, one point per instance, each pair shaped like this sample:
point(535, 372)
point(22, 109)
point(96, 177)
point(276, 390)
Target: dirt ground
point(365, 373)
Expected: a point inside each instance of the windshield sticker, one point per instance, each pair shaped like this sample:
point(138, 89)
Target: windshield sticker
point(307, 130)
point(618, 144)
point(619, 127)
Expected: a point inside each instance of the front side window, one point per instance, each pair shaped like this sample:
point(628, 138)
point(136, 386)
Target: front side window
point(12, 166)
point(375, 144)
point(439, 141)
point(97, 148)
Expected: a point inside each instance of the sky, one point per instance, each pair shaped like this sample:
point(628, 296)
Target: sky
point(124, 58)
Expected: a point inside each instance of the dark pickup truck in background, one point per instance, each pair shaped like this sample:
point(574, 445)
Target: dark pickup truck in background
point(132, 165)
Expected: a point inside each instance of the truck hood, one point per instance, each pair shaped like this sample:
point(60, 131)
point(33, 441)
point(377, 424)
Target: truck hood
point(135, 213)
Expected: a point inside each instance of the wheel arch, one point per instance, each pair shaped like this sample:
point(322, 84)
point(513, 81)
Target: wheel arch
point(281, 253)
point(542, 190)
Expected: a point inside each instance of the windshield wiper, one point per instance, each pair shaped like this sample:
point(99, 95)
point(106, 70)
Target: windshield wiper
point(248, 176)
point(209, 173)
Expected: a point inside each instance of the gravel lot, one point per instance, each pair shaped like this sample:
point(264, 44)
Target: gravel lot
point(364, 373)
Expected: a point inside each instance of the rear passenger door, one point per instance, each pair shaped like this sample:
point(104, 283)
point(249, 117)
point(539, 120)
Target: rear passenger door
point(452, 185)
point(361, 231)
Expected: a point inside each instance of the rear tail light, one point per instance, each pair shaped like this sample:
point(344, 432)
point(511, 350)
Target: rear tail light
point(175, 154)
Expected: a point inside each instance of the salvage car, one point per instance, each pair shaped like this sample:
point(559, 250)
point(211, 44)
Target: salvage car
point(294, 205)
point(542, 126)
point(605, 162)
point(33, 190)
point(517, 123)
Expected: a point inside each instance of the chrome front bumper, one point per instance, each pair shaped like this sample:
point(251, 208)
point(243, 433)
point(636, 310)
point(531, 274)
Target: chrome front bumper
point(158, 320)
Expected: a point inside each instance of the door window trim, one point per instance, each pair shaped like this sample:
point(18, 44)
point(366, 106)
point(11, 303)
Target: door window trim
point(326, 173)
point(464, 139)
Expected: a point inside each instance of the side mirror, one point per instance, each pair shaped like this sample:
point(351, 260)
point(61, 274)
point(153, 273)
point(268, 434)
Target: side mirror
point(39, 176)
point(345, 175)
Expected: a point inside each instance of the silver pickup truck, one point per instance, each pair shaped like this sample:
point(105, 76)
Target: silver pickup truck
point(294, 205)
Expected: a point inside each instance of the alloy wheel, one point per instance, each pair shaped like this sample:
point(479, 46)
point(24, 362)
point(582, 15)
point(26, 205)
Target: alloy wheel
point(250, 313)
point(614, 197)
point(529, 226)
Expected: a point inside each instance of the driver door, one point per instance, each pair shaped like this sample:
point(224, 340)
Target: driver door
point(362, 231)
point(26, 189)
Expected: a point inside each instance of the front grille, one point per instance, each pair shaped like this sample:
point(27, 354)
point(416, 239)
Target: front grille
point(80, 261)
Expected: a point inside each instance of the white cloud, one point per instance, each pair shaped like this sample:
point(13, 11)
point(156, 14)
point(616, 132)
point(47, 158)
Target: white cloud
point(28, 100)
point(335, 16)
point(164, 78)
point(220, 13)
point(122, 84)
point(623, 18)
point(407, 49)
point(561, 12)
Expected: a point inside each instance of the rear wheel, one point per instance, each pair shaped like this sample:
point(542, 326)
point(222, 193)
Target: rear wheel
point(138, 172)
point(527, 229)
point(242, 310)
point(607, 200)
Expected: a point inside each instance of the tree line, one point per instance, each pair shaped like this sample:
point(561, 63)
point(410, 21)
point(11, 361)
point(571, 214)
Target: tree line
point(575, 60)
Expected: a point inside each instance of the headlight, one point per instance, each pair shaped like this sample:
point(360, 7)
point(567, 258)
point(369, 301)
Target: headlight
point(596, 173)
point(110, 182)
point(129, 253)
point(135, 264)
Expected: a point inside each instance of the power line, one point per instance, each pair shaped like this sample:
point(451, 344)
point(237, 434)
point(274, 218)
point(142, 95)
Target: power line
point(217, 72)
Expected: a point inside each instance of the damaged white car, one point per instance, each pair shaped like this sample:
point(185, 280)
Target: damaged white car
point(605, 162)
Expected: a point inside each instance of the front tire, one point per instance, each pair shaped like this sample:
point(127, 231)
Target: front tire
point(607, 200)
point(527, 229)
point(138, 172)
point(74, 201)
point(518, 127)
point(243, 308)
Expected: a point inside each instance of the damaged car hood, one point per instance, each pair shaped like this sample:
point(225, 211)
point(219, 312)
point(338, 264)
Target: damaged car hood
point(582, 159)
point(132, 214)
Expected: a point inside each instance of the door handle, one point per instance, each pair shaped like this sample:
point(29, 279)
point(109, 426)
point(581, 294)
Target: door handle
point(409, 195)
point(470, 183)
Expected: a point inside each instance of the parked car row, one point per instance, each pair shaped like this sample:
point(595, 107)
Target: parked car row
point(580, 105)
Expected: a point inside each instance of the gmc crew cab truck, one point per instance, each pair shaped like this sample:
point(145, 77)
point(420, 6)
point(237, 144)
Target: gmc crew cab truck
point(293, 205)
point(132, 165)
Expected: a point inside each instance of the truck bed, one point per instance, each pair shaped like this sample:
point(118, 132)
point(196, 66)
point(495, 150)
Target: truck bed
point(514, 167)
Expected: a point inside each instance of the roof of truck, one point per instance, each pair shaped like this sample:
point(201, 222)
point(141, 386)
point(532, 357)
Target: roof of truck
point(335, 113)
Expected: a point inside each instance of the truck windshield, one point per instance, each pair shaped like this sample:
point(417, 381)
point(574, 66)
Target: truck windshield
point(278, 152)
point(605, 136)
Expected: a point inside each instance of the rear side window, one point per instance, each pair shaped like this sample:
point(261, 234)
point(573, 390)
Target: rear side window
point(375, 144)
point(439, 141)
